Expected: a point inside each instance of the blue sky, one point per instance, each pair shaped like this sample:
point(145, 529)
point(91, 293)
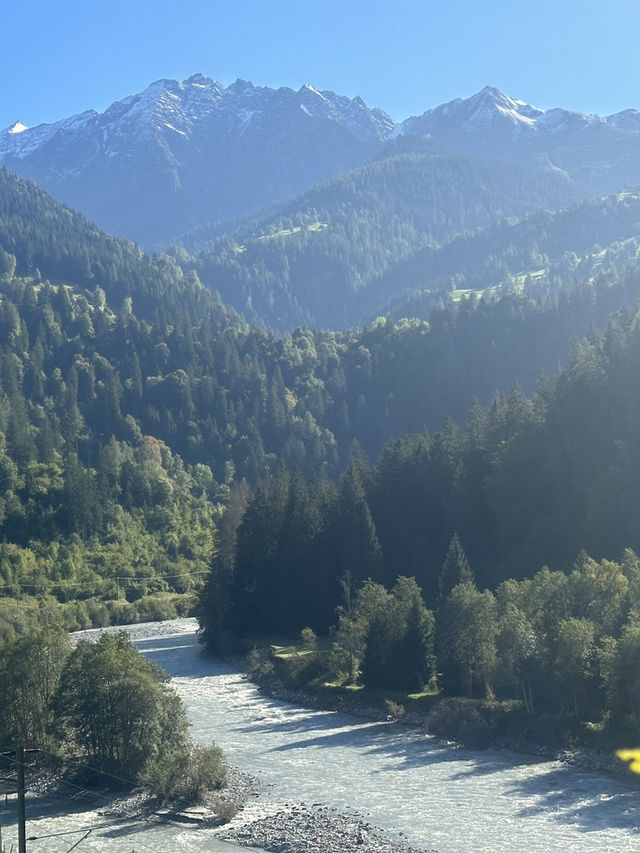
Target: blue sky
point(404, 56)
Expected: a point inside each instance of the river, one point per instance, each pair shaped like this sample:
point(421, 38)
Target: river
point(437, 797)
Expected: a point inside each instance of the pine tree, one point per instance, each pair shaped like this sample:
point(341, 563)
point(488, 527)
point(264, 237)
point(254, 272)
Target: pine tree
point(455, 570)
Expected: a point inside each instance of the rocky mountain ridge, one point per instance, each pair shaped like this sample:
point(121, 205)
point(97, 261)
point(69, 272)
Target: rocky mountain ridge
point(182, 154)
point(599, 153)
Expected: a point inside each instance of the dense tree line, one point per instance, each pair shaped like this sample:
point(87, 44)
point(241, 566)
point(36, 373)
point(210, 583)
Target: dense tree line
point(524, 482)
point(104, 705)
point(123, 429)
point(559, 643)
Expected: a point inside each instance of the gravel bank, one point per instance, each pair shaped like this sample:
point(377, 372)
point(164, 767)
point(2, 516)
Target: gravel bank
point(299, 829)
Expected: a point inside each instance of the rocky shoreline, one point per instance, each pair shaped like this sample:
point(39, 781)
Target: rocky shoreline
point(298, 828)
point(291, 828)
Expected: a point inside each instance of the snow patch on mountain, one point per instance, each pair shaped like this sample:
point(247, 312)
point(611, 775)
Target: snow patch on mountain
point(181, 107)
point(23, 143)
point(491, 111)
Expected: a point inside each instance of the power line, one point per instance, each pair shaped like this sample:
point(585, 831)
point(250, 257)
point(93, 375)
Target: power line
point(93, 794)
point(67, 832)
point(81, 840)
point(93, 769)
point(38, 839)
point(65, 781)
point(105, 825)
point(51, 582)
point(135, 578)
point(90, 586)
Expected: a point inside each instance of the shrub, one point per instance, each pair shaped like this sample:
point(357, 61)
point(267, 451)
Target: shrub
point(184, 774)
point(309, 639)
point(258, 663)
point(459, 720)
point(156, 608)
point(394, 709)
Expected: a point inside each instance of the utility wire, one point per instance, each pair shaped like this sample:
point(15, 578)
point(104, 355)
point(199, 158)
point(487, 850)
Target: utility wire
point(135, 578)
point(106, 799)
point(81, 840)
point(66, 832)
point(93, 585)
point(67, 782)
point(93, 769)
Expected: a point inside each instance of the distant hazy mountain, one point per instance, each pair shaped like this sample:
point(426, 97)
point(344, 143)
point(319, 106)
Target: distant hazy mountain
point(180, 155)
point(601, 154)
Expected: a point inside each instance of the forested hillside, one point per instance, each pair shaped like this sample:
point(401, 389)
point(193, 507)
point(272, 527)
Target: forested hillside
point(523, 481)
point(97, 508)
point(150, 438)
point(543, 254)
point(318, 260)
point(533, 500)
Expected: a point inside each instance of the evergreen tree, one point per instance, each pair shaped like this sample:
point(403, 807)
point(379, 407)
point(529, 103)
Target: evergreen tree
point(455, 570)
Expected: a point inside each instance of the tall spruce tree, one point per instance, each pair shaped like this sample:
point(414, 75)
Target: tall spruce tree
point(455, 570)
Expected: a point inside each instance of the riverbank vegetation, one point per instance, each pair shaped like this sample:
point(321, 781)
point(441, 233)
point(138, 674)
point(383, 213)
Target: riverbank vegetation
point(100, 712)
point(552, 659)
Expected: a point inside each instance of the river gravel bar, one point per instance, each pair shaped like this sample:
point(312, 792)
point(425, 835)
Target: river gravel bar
point(299, 829)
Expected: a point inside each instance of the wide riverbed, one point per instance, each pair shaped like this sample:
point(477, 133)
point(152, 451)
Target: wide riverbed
point(442, 798)
point(437, 797)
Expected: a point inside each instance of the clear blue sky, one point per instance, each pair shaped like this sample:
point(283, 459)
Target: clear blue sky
point(405, 56)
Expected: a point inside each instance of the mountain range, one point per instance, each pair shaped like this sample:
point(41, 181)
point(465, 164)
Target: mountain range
point(180, 155)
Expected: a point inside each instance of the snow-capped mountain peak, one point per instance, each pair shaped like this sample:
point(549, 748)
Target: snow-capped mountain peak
point(183, 153)
point(481, 111)
point(490, 100)
point(201, 150)
point(491, 119)
point(170, 105)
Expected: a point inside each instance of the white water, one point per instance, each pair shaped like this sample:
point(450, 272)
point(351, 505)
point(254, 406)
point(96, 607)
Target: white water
point(440, 798)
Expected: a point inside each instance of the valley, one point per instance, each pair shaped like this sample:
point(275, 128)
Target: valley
point(361, 389)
